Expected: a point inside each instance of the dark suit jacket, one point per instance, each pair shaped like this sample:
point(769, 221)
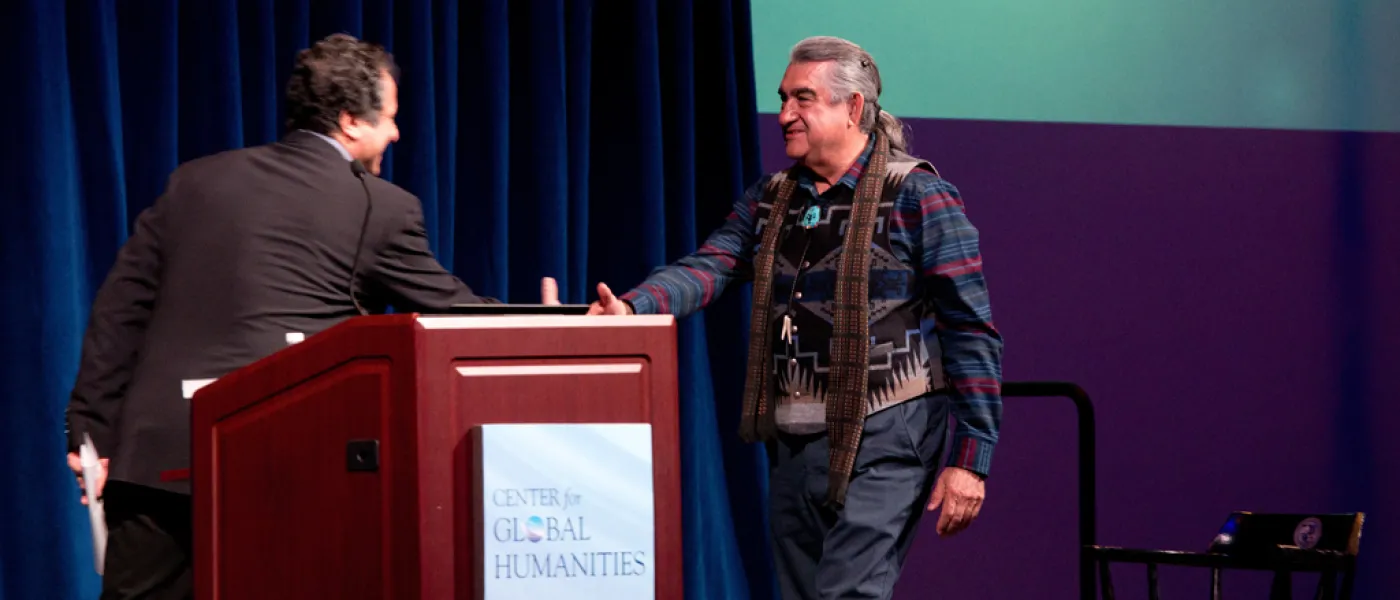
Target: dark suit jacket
point(242, 248)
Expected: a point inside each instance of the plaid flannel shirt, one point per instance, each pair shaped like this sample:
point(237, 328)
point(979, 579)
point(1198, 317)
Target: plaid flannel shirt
point(929, 219)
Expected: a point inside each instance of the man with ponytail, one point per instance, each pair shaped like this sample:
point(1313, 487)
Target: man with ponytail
point(871, 326)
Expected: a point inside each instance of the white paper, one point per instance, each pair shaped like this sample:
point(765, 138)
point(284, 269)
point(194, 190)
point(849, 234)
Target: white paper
point(92, 471)
point(189, 386)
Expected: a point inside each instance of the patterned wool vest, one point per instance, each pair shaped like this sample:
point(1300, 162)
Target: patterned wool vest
point(905, 356)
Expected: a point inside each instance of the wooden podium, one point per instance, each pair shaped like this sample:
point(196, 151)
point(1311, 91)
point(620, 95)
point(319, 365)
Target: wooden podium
point(342, 466)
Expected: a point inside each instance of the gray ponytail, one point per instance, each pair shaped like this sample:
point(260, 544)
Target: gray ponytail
point(893, 129)
point(853, 72)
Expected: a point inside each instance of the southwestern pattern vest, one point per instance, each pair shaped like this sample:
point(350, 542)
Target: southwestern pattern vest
point(905, 357)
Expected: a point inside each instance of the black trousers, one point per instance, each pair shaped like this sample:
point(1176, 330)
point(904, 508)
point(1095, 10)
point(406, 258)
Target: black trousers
point(858, 551)
point(149, 537)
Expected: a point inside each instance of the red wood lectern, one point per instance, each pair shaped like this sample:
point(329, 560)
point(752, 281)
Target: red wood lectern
point(342, 466)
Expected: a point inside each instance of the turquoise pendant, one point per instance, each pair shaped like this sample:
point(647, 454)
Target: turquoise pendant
point(810, 218)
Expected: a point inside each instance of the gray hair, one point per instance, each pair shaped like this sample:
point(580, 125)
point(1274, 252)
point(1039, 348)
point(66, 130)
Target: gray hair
point(853, 71)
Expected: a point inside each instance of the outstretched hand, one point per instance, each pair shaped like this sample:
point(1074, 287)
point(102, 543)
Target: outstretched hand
point(960, 491)
point(608, 304)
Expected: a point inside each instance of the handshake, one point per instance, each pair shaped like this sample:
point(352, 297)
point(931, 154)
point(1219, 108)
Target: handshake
point(607, 303)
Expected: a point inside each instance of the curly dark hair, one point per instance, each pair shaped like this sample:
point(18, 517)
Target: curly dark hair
point(339, 73)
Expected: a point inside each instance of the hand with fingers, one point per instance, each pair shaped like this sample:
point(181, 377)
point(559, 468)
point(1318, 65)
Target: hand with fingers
point(76, 463)
point(608, 304)
point(960, 492)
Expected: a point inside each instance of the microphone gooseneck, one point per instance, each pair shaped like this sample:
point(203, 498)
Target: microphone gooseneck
point(358, 170)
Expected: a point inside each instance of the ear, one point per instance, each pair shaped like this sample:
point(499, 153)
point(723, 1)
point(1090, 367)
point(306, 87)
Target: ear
point(349, 125)
point(857, 108)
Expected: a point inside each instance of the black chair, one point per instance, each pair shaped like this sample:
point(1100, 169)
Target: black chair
point(1282, 543)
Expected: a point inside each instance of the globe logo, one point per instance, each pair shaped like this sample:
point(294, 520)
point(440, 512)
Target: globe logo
point(534, 529)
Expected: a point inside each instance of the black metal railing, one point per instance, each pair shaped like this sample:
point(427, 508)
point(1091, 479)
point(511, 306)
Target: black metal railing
point(1088, 490)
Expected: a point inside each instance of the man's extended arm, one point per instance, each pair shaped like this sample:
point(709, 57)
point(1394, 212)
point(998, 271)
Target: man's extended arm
point(691, 283)
point(116, 328)
point(972, 347)
point(411, 276)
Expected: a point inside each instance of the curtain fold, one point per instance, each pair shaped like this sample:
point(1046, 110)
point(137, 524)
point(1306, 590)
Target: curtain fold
point(588, 141)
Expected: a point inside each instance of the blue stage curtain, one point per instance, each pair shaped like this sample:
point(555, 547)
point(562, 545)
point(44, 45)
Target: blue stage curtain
point(589, 141)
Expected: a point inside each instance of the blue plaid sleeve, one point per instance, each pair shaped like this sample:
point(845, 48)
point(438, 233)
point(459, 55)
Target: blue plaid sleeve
point(956, 290)
point(691, 283)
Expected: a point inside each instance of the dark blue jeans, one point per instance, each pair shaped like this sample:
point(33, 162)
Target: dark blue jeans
point(858, 551)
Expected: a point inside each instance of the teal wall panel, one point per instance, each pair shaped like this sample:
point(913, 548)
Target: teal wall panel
point(1289, 64)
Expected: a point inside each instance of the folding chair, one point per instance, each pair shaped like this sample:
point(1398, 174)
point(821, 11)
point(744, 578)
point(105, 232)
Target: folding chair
point(1282, 543)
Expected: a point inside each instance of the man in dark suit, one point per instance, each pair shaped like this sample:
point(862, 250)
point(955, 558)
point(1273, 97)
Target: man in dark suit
point(243, 248)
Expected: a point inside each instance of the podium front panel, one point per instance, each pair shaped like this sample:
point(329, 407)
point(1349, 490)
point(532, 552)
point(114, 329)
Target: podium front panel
point(304, 527)
point(555, 369)
point(290, 500)
point(303, 470)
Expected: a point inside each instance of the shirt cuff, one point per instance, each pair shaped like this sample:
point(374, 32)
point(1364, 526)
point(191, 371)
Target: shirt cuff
point(101, 438)
point(642, 304)
point(973, 454)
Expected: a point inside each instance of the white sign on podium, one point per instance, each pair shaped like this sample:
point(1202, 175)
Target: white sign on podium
point(567, 511)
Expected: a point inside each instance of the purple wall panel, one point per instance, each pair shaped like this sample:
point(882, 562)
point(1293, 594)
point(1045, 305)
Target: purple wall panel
point(1229, 299)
